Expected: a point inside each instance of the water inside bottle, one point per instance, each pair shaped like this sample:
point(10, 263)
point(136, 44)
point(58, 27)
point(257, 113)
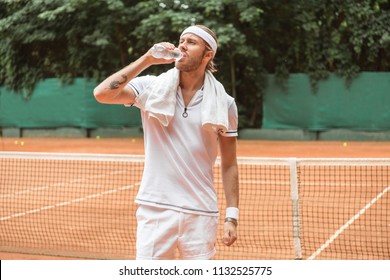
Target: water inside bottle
point(159, 51)
point(176, 53)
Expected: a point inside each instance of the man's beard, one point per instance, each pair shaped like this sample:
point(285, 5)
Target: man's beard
point(190, 65)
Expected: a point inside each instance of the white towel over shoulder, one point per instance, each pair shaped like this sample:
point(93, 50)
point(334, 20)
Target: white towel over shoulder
point(159, 100)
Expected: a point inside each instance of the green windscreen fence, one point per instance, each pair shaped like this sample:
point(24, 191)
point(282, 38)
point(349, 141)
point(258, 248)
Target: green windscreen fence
point(53, 104)
point(364, 105)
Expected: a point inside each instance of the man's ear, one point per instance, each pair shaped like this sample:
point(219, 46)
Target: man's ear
point(209, 55)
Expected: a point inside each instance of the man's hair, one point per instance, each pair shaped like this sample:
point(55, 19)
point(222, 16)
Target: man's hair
point(211, 65)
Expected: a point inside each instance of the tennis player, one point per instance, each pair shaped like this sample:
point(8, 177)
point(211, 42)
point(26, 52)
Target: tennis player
point(186, 116)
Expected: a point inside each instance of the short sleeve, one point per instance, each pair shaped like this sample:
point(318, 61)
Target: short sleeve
point(138, 85)
point(233, 120)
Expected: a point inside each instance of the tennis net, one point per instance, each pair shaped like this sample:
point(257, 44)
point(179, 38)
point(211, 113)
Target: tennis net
point(82, 205)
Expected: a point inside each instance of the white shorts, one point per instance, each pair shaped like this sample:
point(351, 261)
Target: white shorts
point(160, 232)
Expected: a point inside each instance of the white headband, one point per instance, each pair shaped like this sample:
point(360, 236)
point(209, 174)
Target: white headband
point(202, 34)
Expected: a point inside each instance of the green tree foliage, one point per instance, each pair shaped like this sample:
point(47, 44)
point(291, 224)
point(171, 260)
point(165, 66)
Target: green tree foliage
point(344, 37)
point(93, 38)
point(61, 38)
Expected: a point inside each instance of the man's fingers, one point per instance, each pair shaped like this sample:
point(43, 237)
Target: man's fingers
point(229, 236)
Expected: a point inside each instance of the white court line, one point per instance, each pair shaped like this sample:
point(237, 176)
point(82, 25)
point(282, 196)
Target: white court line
point(60, 184)
point(33, 189)
point(347, 224)
point(65, 203)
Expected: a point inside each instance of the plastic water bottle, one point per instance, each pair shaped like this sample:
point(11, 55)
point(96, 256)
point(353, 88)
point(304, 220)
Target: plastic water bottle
point(159, 51)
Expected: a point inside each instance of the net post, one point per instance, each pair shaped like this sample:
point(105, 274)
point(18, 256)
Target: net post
point(295, 208)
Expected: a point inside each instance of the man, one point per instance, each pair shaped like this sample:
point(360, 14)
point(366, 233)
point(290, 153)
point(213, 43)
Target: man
point(186, 114)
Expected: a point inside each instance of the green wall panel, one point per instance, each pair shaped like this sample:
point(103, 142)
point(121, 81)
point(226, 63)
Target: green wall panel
point(55, 105)
point(365, 105)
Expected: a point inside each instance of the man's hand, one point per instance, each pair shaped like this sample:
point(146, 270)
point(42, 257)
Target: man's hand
point(229, 233)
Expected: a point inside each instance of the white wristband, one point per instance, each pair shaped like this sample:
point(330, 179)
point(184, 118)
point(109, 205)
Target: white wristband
point(232, 212)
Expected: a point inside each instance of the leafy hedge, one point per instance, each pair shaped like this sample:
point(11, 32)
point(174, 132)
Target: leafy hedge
point(93, 38)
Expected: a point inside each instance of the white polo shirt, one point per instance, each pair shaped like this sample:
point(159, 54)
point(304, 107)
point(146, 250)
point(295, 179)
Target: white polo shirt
point(179, 158)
